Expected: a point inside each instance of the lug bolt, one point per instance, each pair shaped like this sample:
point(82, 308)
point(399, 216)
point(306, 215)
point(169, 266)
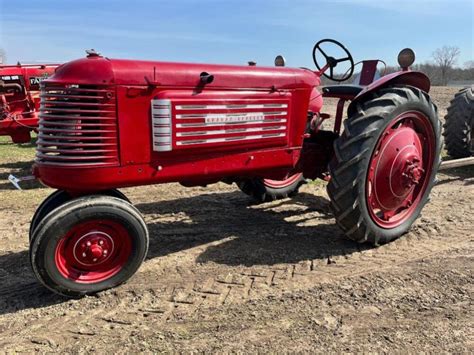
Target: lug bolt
point(94, 260)
point(101, 242)
point(88, 244)
point(84, 255)
point(105, 252)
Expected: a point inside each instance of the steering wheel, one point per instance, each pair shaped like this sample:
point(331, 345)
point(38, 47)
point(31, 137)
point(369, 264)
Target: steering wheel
point(333, 62)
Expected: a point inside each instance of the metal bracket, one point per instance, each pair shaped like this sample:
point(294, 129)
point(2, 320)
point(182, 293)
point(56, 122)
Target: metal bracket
point(16, 180)
point(456, 163)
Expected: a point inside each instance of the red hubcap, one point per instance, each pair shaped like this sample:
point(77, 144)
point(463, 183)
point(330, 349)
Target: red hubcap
point(93, 251)
point(278, 184)
point(399, 169)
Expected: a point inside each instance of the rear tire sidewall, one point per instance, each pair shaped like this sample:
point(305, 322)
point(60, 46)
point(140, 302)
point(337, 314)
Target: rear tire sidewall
point(52, 229)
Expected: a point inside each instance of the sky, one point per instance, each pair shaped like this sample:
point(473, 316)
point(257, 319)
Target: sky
point(230, 31)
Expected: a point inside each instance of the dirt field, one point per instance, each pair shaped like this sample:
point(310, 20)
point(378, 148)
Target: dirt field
point(225, 275)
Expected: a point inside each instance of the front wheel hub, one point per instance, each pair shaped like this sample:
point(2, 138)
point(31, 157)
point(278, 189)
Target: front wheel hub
point(93, 248)
point(93, 251)
point(399, 167)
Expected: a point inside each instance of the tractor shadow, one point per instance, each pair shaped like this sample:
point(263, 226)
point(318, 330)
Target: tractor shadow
point(286, 231)
point(19, 289)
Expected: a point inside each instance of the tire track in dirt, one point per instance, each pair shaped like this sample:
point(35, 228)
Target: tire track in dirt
point(176, 281)
point(177, 296)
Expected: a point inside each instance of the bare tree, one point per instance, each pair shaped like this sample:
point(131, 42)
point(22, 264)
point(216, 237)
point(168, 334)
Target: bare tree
point(3, 56)
point(469, 64)
point(445, 58)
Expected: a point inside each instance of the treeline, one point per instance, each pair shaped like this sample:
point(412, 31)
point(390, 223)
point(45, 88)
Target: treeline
point(435, 74)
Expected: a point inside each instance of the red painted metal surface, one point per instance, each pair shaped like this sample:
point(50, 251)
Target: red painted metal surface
point(19, 99)
point(399, 169)
point(93, 251)
point(411, 78)
point(368, 72)
point(167, 126)
point(110, 123)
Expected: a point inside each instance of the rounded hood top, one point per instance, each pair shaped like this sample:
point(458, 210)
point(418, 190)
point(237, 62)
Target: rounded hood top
point(97, 70)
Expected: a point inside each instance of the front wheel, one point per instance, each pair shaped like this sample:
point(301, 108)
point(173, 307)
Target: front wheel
point(88, 245)
point(385, 164)
point(264, 190)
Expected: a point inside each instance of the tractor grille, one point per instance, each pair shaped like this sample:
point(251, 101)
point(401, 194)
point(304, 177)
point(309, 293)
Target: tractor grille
point(77, 126)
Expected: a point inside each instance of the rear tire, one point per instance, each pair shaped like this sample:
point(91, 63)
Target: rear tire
point(458, 128)
point(385, 164)
point(59, 197)
point(265, 190)
point(88, 245)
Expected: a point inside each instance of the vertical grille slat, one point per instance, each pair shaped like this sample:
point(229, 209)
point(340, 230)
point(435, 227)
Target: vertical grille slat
point(77, 126)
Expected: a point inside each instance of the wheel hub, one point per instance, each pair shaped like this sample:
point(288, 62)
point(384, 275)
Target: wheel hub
point(93, 251)
point(412, 173)
point(398, 169)
point(93, 248)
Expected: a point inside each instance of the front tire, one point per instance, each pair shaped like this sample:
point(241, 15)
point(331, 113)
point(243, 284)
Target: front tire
point(458, 128)
point(385, 164)
point(88, 245)
point(58, 198)
point(265, 190)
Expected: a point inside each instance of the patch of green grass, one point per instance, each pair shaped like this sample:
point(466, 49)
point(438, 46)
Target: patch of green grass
point(16, 159)
point(10, 152)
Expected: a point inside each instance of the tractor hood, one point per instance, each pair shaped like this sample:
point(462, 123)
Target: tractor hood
point(97, 70)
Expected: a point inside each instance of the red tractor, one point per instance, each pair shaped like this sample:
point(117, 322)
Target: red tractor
point(19, 99)
point(109, 123)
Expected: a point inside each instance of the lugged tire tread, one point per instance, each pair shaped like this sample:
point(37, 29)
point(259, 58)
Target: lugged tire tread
point(346, 168)
point(458, 123)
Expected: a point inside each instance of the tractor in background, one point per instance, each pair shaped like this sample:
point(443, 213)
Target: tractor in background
point(20, 99)
point(459, 125)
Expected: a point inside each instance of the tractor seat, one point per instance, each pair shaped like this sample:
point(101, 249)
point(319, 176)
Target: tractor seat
point(342, 91)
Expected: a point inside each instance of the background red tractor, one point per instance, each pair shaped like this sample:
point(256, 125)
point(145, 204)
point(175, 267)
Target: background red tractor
point(109, 123)
point(19, 99)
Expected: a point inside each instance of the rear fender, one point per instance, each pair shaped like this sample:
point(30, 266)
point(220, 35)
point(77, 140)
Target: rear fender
point(411, 78)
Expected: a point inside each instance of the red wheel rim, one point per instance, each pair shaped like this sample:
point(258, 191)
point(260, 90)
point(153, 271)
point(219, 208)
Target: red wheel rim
point(400, 168)
point(93, 251)
point(278, 184)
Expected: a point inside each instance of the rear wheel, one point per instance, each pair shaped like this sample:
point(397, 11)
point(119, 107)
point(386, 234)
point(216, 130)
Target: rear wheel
point(458, 128)
point(88, 245)
point(385, 164)
point(59, 197)
point(264, 190)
